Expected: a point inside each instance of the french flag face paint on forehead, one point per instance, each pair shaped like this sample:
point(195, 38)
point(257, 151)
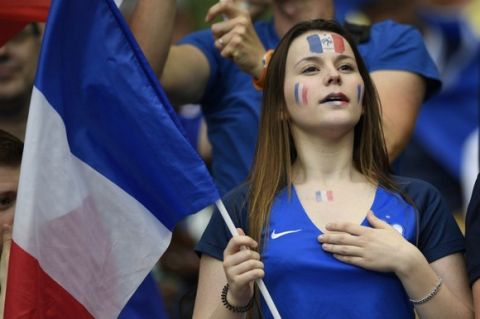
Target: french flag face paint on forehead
point(301, 94)
point(326, 42)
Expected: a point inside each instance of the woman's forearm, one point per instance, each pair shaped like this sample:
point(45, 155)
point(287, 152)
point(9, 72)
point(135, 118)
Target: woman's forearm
point(422, 283)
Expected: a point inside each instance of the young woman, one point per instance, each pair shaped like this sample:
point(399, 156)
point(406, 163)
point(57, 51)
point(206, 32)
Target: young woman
point(332, 233)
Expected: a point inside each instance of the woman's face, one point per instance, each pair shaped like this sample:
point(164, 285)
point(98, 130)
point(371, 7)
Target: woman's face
point(323, 88)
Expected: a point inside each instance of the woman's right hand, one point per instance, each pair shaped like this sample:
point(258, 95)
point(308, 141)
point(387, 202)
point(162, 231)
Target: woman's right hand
point(242, 267)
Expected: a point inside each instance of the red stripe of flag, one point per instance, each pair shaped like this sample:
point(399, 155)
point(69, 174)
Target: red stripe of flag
point(304, 95)
point(338, 43)
point(330, 196)
point(54, 303)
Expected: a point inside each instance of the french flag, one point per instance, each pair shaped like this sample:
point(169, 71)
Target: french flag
point(106, 172)
point(327, 42)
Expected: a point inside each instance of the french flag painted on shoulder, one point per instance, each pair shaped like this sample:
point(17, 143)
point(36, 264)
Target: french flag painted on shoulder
point(106, 172)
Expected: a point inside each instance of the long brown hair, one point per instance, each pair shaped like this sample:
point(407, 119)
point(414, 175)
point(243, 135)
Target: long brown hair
point(275, 151)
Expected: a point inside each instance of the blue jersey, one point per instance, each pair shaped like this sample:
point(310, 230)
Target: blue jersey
point(231, 105)
point(307, 282)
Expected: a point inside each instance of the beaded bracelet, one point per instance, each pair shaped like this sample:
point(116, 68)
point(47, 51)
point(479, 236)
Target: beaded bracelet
point(258, 82)
point(233, 308)
point(430, 295)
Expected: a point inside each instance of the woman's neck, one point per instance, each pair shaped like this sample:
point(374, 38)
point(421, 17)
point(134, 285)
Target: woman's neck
point(287, 13)
point(324, 161)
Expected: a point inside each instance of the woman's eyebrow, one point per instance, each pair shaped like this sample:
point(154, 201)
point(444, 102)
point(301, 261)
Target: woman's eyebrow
point(317, 58)
point(313, 58)
point(344, 57)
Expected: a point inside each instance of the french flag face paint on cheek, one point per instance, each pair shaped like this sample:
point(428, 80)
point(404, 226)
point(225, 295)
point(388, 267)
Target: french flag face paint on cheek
point(305, 95)
point(327, 42)
point(301, 94)
point(359, 93)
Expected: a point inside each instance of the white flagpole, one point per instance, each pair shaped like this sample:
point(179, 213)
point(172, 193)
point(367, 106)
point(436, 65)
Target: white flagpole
point(259, 282)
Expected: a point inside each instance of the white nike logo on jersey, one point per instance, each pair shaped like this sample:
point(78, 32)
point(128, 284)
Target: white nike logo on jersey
point(283, 233)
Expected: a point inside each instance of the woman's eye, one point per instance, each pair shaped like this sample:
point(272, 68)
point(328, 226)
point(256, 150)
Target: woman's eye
point(310, 69)
point(7, 200)
point(346, 67)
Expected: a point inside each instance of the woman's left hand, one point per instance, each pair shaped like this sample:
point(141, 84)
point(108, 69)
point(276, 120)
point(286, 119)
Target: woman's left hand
point(377, 248)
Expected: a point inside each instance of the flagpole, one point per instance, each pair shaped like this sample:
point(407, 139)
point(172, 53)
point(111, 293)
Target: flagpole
point(261, 285)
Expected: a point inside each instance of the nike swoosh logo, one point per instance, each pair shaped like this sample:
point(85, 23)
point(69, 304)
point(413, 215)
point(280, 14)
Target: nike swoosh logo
point(283, 233)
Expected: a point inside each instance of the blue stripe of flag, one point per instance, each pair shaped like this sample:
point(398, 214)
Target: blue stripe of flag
point(315, 43)
point(117, 117)
point(297, 97)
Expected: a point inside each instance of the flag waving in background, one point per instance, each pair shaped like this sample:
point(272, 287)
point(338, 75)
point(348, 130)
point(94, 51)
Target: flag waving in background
point(105, 175)
point(15, 14)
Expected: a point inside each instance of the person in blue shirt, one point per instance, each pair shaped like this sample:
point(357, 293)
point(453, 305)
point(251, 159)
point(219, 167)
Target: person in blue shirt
point(330, 231)
point(472, 236)
point(439, 148)
point(215, 68)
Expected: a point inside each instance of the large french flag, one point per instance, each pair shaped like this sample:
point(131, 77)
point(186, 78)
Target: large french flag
point(106, 172)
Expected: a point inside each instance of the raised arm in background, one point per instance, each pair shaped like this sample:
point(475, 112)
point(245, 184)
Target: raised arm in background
point(183, 69)
point(401, 94)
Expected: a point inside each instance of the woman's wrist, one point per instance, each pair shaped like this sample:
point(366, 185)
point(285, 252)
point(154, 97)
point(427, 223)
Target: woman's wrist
point(233, 304)
point(236, 300)
point(410, 258)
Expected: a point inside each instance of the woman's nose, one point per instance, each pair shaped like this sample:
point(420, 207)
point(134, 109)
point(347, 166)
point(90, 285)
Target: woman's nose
point(333, 77)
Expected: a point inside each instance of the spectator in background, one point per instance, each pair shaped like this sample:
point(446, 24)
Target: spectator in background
point(472, 234)
point(11, 149)
point(18, 64)
point(191, 115)
point(448, 121)
point(216, 67)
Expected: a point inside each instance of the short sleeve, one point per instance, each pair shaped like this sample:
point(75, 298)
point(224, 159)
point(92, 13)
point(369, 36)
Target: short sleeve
point(399, 47)
point(216, 236)
point(204, 41)
point(439, 234)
